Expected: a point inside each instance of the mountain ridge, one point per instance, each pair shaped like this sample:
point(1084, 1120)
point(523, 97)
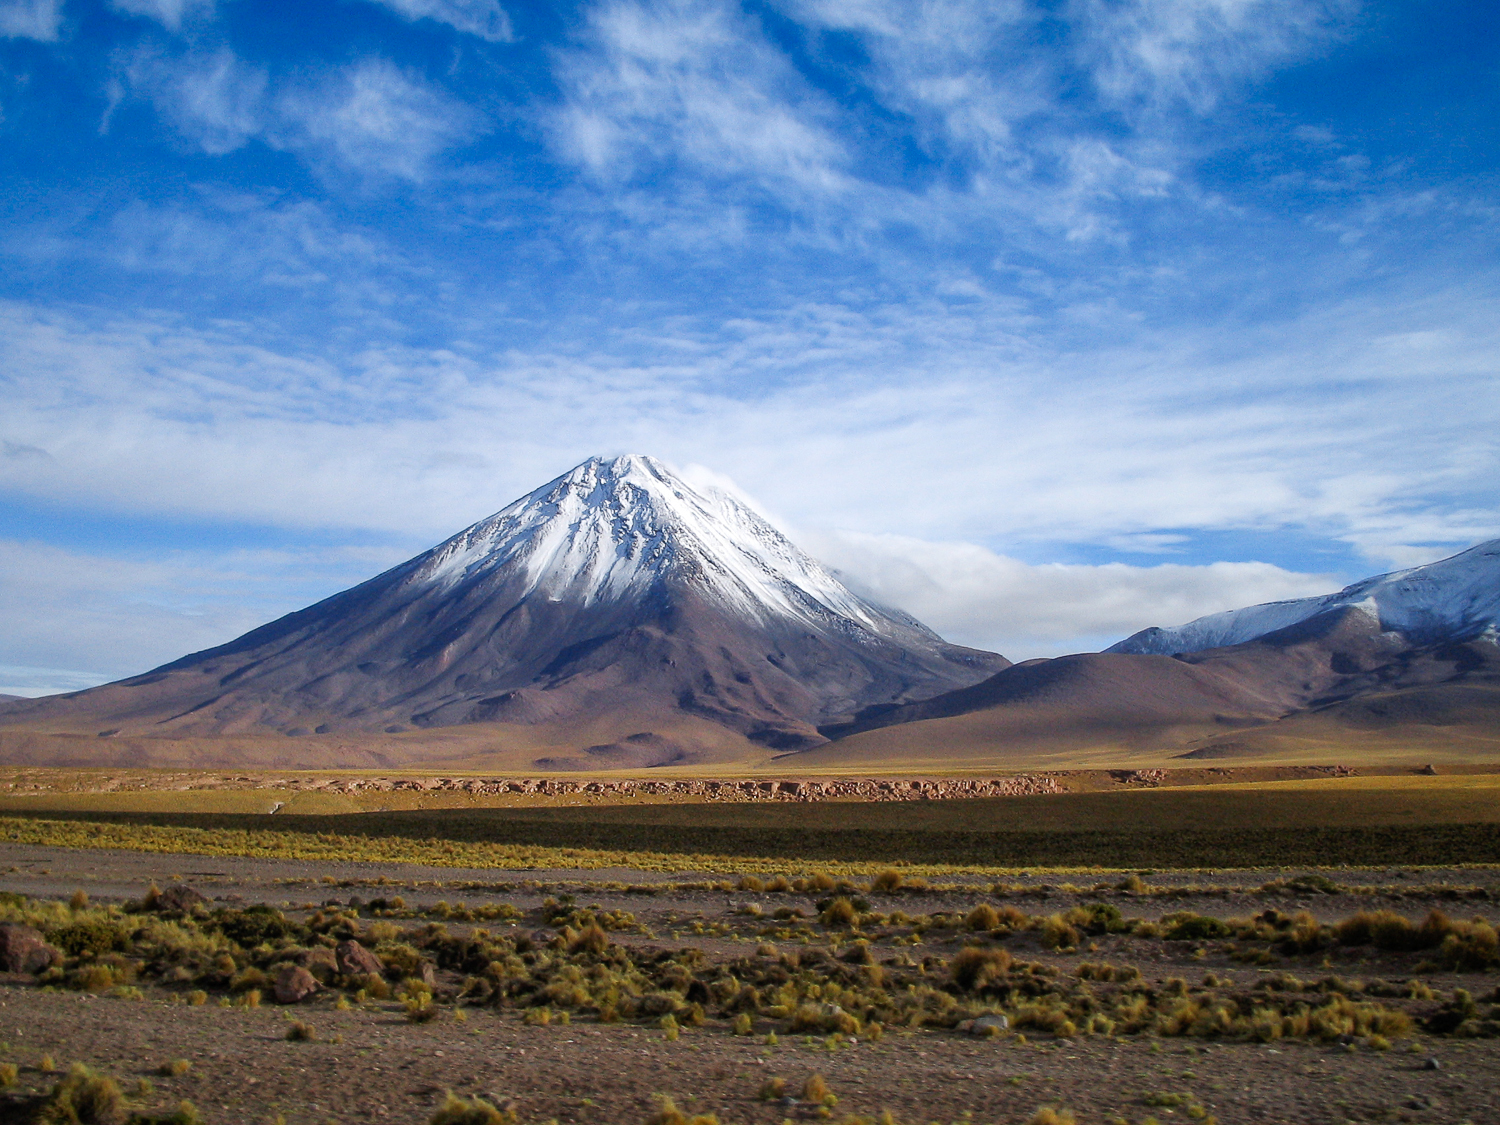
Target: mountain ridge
point(1456, 597)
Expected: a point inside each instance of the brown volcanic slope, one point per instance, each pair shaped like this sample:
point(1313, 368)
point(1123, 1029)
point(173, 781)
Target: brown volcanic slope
point(614, 618)
point(1334, 684)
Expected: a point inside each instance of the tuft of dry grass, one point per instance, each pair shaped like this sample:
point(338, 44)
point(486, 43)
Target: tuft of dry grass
point(667, 1113)
point(299, 1031)
point(83, 1098)
point(816, 1090)
point(974, 970)
point(470, 1111)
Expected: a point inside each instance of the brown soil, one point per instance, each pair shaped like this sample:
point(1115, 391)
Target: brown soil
point(370, 1064)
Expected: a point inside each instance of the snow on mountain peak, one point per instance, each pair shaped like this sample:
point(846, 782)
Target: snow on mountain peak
point(1456, 597)
point(612, 528)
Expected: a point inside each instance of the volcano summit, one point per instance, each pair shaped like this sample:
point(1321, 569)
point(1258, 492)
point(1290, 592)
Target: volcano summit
point(616, 594)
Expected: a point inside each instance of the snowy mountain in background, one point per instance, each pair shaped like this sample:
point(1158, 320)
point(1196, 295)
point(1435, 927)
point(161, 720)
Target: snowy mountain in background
point(1457, 598)
point(617, 601)
point(612, 531)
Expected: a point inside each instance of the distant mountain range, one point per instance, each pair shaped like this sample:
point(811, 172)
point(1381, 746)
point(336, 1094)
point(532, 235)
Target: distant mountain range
point(1455, 599)
point(619, 617)
point(1408, 656)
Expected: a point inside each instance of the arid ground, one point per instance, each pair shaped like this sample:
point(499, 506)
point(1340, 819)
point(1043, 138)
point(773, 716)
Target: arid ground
point(1295, 992)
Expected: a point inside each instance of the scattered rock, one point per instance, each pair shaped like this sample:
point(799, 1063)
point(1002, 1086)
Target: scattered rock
point(354, 960)
point(294, 984)
point(24, 950)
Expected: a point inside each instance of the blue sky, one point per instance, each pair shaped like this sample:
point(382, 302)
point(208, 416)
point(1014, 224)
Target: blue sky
point(1046, 321)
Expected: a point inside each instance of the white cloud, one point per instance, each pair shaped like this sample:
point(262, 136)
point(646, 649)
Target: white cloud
point(907, 419)
point(967, 73)
point(31, 19)
point(484, 18)
point(1191, 51)
point(372, 117)
point(168, 13)
point(696, 82)
point(974, 596)
point(214, 100)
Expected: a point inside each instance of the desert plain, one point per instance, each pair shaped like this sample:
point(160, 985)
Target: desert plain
point(1268, 943)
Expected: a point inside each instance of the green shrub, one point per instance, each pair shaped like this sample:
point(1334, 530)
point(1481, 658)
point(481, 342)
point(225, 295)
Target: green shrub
point(91, 937)
point(1187, 926)
point(255, 925)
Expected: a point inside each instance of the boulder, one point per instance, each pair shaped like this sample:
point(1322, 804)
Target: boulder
point(985, 1025)
point(294, 984)
point(24, 950)
point(354, 960)
point(320, 961)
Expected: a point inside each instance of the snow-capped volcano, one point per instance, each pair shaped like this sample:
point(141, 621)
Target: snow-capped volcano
point(1457, 598)
point(610, 530)
point(617, 595)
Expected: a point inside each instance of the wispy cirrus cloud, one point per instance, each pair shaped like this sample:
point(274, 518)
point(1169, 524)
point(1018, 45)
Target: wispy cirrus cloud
point(374, 118)
point(484, 18)
point(370, 117)
point(169, 13)
point(1152, 53)
point(31, 19)
point(692, 83)
point(139, 414)
point(213, 100)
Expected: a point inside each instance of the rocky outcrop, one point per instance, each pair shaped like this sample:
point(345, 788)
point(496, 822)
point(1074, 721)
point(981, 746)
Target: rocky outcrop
point(24, 950)
point(354, 960)
point(294, 984)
